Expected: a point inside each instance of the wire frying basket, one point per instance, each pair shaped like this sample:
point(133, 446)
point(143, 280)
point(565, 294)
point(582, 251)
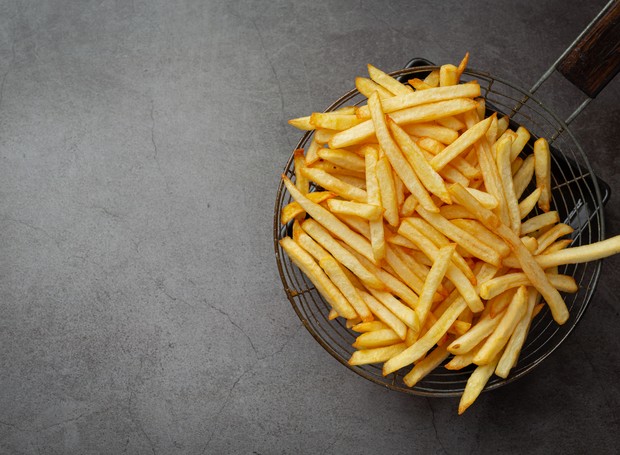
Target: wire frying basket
point(576, 195)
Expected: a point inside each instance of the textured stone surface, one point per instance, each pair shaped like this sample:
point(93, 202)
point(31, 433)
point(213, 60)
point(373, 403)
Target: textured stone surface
point(140, 306)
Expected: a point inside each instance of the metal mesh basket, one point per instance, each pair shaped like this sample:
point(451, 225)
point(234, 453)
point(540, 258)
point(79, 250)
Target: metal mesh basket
point(576, 196)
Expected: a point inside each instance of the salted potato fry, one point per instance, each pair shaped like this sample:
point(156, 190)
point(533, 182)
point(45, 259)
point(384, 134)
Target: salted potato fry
point(340, 280)
point(540, 221)
point(306, 264)
point(424, 367)
point(334, 120)
point(460, 361)
point(408, 207)
point(323, 136)
point(431, 95)
point(367, 87)
point(522, 137)
point(376, 339)
point(431, 180)
point(324, 238)
point(448, 75)
point(377, 233)
point(302, 123)
point(486, 199)
point(387, 81)
point(419, 84)
point(293, 209)
point(404, 272)
point(502, 126)
point(579, 254)
point(364, 327)
point(423, 113)
point(331, 183)
point(550, 236)
point(502, 333)
point(528, 203)
point(479, 332)
point(440, 133)
point(505, 174)
point(462, 283)
point(433, 78)
point(523, 176)
point(464, 142)
point(476, 383)
point(343, 158)
point(329, 221)
point(366, 211)
point(527, 262)
point(513, 348)
point(496, 286)
point(451, 212)
point(427, 341)
point(335, 170)
point(542, 168)
point(400, 310)
point(387, 187)
point(557, 246)
point(376, 355)
point(452, 122)
point(396, 158)
point(461, 237)
point(433, 280)
point(385, 315)
point(486, 236)
point(300, 180)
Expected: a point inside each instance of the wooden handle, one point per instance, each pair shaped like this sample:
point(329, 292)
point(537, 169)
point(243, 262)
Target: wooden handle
point(594, 61)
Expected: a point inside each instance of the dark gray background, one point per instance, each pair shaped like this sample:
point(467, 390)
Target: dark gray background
point(140, 307)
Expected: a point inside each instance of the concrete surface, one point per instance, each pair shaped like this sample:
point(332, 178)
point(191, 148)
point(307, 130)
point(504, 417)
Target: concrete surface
point(140, 306)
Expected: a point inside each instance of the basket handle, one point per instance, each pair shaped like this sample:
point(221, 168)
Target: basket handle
point(594, 59)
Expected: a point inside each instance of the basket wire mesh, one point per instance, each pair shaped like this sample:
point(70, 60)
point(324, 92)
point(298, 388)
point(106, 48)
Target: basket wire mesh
point(576, 196)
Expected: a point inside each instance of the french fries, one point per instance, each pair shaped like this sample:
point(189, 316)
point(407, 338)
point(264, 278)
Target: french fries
point(409, 218)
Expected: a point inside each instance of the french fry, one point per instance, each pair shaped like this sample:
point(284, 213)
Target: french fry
point(550, 236)
point(364, 327)
point(323, 136)
point(478, 332)
point(367, 87)
point(486, 199)
point(384, 315)
point(387, 81)
point(408, 207)
point(301, 123)
point(505, 174)
point(334, 184)
point(461, 237)
point(419, 84)
point(293, 209)
point(395, 156)
point(306, 264)
point(433, 280)
point(462, 66)
point(483, 234)
point(312, 152)
point(400, 310)
point(452, 122)
point(376, 355)
point(340, 280)
point(464, 142)
point(440, 133)
point(557, 246)
point(423, 113)
point(496, 286)
point(522, 137)
point(387, 187)
point(337, 171)
point(431, 180)
point(460, 361)
point(334, 120)
point(432, 95)
point(502, 333)
point(433, 78)
point(329, 221)
point(367, 211)
point(542, 168)
point(424, 367)
point(539, 221)
point(527, 204)
point(300, 180)
point(376, 339)
point(377, 234)
point(523, 176)
point(448, 75)
point(342, 158)
point(476, 383)
point(511, 353)
point(324, 238)
point(306, 242)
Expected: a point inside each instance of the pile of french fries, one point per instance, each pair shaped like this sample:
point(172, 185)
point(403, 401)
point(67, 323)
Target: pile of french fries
point(410, 218)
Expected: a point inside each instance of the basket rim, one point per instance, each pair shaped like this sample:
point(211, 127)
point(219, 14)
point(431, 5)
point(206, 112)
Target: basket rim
point(423, 391)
